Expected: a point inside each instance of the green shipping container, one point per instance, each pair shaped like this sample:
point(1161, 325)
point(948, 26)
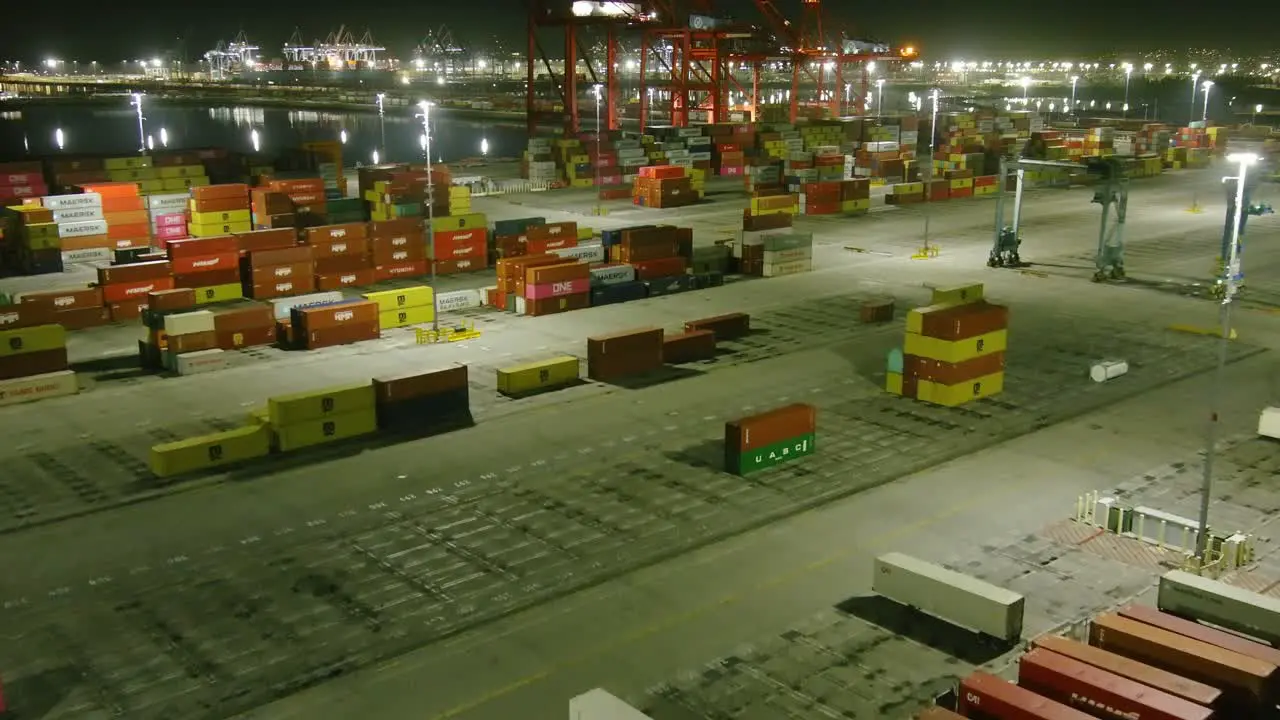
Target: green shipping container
point(772, 455)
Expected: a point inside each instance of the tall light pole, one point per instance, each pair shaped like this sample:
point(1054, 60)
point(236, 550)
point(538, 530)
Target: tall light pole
point(848, 94)
point(382, 123)
point(1128, 73)
point(933, 135)
point(1026, 83)
point(431, 212)
point(1074, 79)
point(599, 92)
point(142, 134)
point(1231, 276)
point(1207, 85)
point(1195, 77)
point(880, 97)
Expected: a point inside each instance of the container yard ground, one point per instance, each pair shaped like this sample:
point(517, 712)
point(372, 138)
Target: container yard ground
point(237, 591)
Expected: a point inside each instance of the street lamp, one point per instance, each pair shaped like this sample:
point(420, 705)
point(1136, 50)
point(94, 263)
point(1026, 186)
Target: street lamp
point(382, 123)
point(1074, 79)
point(1026, 83)
point(1207, 85)
point(1256, 109)
point(599, 92)
point(1195, 77)
point(880, 96)
point(1128, 73)
point(142, 134)
point(431, 235)
point(1231, 276)
point(848, 94)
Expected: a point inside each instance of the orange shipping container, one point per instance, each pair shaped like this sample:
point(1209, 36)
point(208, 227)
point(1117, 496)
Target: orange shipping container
point(768, 428)
point(112, 189)
point(243, 318)
point(207, 279)
point(128, 217)
point(297, 285)
point(219, 192)
point(63, 299)
point(124, 292)
point(259, 240)
point(133, 272)
point(395, 228)
point(325, 317)
point(267, 274)
point(123, 204)
point(218, 204)
point(451, 267)
point(338, 281)
point(200, 247)
point(564, 272)
point(129, 232)
point(344, 231)
point(86, 242)
point(82, 318)
point(416, 268)
point(333, 248)
point(127, 311)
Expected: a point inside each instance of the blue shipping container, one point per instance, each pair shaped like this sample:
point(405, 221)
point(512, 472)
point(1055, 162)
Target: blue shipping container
point(622, 292)
point(707, 280)
point(670, 285)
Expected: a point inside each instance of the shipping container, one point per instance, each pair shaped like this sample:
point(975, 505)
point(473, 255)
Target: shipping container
point(1148, 675)
point(63, 299)
point(33, 339)
point(38, 387)
point(41, 362)
point(983, 695)
point(600, 705)
point(210, 451)
point(958, 321)
point(318, 404)
point(769, 428)
point(332, 428)
point(693, 346)
point(959, 599)
point(323, 317)
point(1203, 633)
point(247, 337)
point(624, 354)
point(955, 351)
point(398, 388)
point(404, 317)
point(1218, 603)
point(81, 318)
point(957, 294)
point(411, 297)
point(542, 375)
point(749, 461)
point(1098, 692)
point(203, 361)
point(1245, 681)
point(334, 336)
point(945, 373)
point(938, 713)
point(619, 292)
point(726, 327)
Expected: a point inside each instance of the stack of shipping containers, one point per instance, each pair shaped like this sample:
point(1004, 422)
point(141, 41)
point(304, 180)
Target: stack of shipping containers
point(400, 308)
point(268, 274)
point(80, 224)
point(209, 266)
point(340, 255)
point(20, 180)
point(308, 419)
point(414, 403)
point(219, 210)
point(168, 215)
point(31, 240)
point(460, 243)
point(954, 349)
point(663, 186)
point(326, 324)
point(769, 439)
point(396, 248)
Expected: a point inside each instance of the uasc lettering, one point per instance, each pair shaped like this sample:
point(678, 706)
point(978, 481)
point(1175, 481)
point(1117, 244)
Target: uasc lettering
point(400, 241)
point(8, 318)
point(347, 279)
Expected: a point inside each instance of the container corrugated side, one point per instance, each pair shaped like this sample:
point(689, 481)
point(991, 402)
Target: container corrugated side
point(1163, 680)
point(302, 407)
point(554, 372)
point(1200, 598)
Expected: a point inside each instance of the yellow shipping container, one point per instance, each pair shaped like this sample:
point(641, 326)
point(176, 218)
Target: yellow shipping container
point(410, 297)
point(542, 375)
point(295, 408)
point(43, 241)
point(210, 451)
point(310, 433)
point(260, 416)
point(32, 339)
point(893, 383)
point(915, 317)
point(406, 317)
point(960, 393)
point(956, 351)
point(139, 161)
point(961, 183)
point(218, 218)
point(184, 183)
point(151, 186)
point(219, 293)
point(182, 171)
point(198, 230)
point(585, 233)
point(457, 192)
point(985, 190)
point(862, 205)
point(957, 294)
point(582, 183)
point(458, 222)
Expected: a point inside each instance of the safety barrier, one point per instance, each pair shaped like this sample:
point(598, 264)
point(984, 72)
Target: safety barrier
point(454, 333)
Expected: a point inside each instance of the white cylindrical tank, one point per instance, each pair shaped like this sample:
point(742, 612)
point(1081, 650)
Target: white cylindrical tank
point(1108, 370)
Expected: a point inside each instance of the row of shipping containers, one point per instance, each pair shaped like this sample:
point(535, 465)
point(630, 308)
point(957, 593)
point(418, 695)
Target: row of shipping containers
point(1161, 663)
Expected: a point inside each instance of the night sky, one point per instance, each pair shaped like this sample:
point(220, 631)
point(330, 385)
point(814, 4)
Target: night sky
point(950, 28)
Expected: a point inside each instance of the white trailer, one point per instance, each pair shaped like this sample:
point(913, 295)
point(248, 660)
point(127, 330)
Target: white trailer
point(601, 705)
point(951, 596)
point(1211, 601)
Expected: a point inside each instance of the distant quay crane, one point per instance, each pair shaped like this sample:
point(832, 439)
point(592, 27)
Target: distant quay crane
point(235, 56)
point(340, 49)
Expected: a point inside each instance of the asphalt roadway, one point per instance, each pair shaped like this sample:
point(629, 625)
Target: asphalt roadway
point(577, 539)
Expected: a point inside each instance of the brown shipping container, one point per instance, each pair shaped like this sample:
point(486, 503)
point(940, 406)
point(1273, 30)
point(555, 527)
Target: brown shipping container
point(261, 275)
point(395, 228)
point(769, 428)
point(253, 316)
point(342, 264)
point(565, 272)
point(247, 337)
point(1245, 681)
point(553, 305)
point(631, 342)
point(938, 713)
point(330, 316)
point(965, 321)
point(127, 311)
point(983, 695)
point(83, 318)
point(36, 363)
point(1162, 680)
point(17, 316)
point(289, 256)
point(341, 335)
point(1092, 689)
point(329, 233)
point(337, 281)
point(176, 299)
point(952, 373)
point(65, 299)
point(1194, 630)
point(689, 347)
point(284, 288)
point(386, 254)
point(264, 240)
point(876, 311)
point(193, 342)
point(398, 388)
point(386, 243)
point(137, 272)
point(551, 231)
point(339, 248)
point(726, 327)
point(230, 276)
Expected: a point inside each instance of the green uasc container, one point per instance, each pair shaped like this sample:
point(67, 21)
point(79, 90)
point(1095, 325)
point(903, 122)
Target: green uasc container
point(773, 455)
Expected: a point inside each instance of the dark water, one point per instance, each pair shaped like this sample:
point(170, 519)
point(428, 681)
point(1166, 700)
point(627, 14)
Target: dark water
point(100, 128)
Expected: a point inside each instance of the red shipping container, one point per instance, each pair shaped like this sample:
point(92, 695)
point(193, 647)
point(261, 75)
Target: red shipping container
point(549, 244)
point(13, 192)
point(1077, 684)
point(133, 272)
point(82, 318)
point(127, 311)
point(206, 263)
point(1194, 630)
point(200, 247)
point(284, 288)
point(666, 267)
point(822, 208)
point(13, 179)
point(279, 273)
point(342, 264)
point(207, 279)
point(124, 292)
point(985, 695)
point(456, 244)
point(416, 268)
point(451, 267)
point(961, 192)
point(355, 278)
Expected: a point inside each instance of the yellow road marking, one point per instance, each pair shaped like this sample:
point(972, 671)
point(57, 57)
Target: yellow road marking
point(730, 599)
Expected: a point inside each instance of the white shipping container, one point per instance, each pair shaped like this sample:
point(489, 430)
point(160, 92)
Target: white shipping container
point(685, 132)
point(782, 257)
point(458, 300)
point(676, 154)
point(281, 306)
point(203, 361)
point(196, 321)
point(67, 202)
point(171, 202)
point(794, 267)
point(88, 255)
point(601, 705)
point(700, 156)
point(633, 162)
point(1198, 598)
point(632, 152)
point(38, 387)
point(592, 252)
point(83, 228)
point(949, 595)
point(612, 274)
point(80, 214)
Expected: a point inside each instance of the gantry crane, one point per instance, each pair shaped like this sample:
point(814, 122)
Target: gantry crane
point(1112, 194)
